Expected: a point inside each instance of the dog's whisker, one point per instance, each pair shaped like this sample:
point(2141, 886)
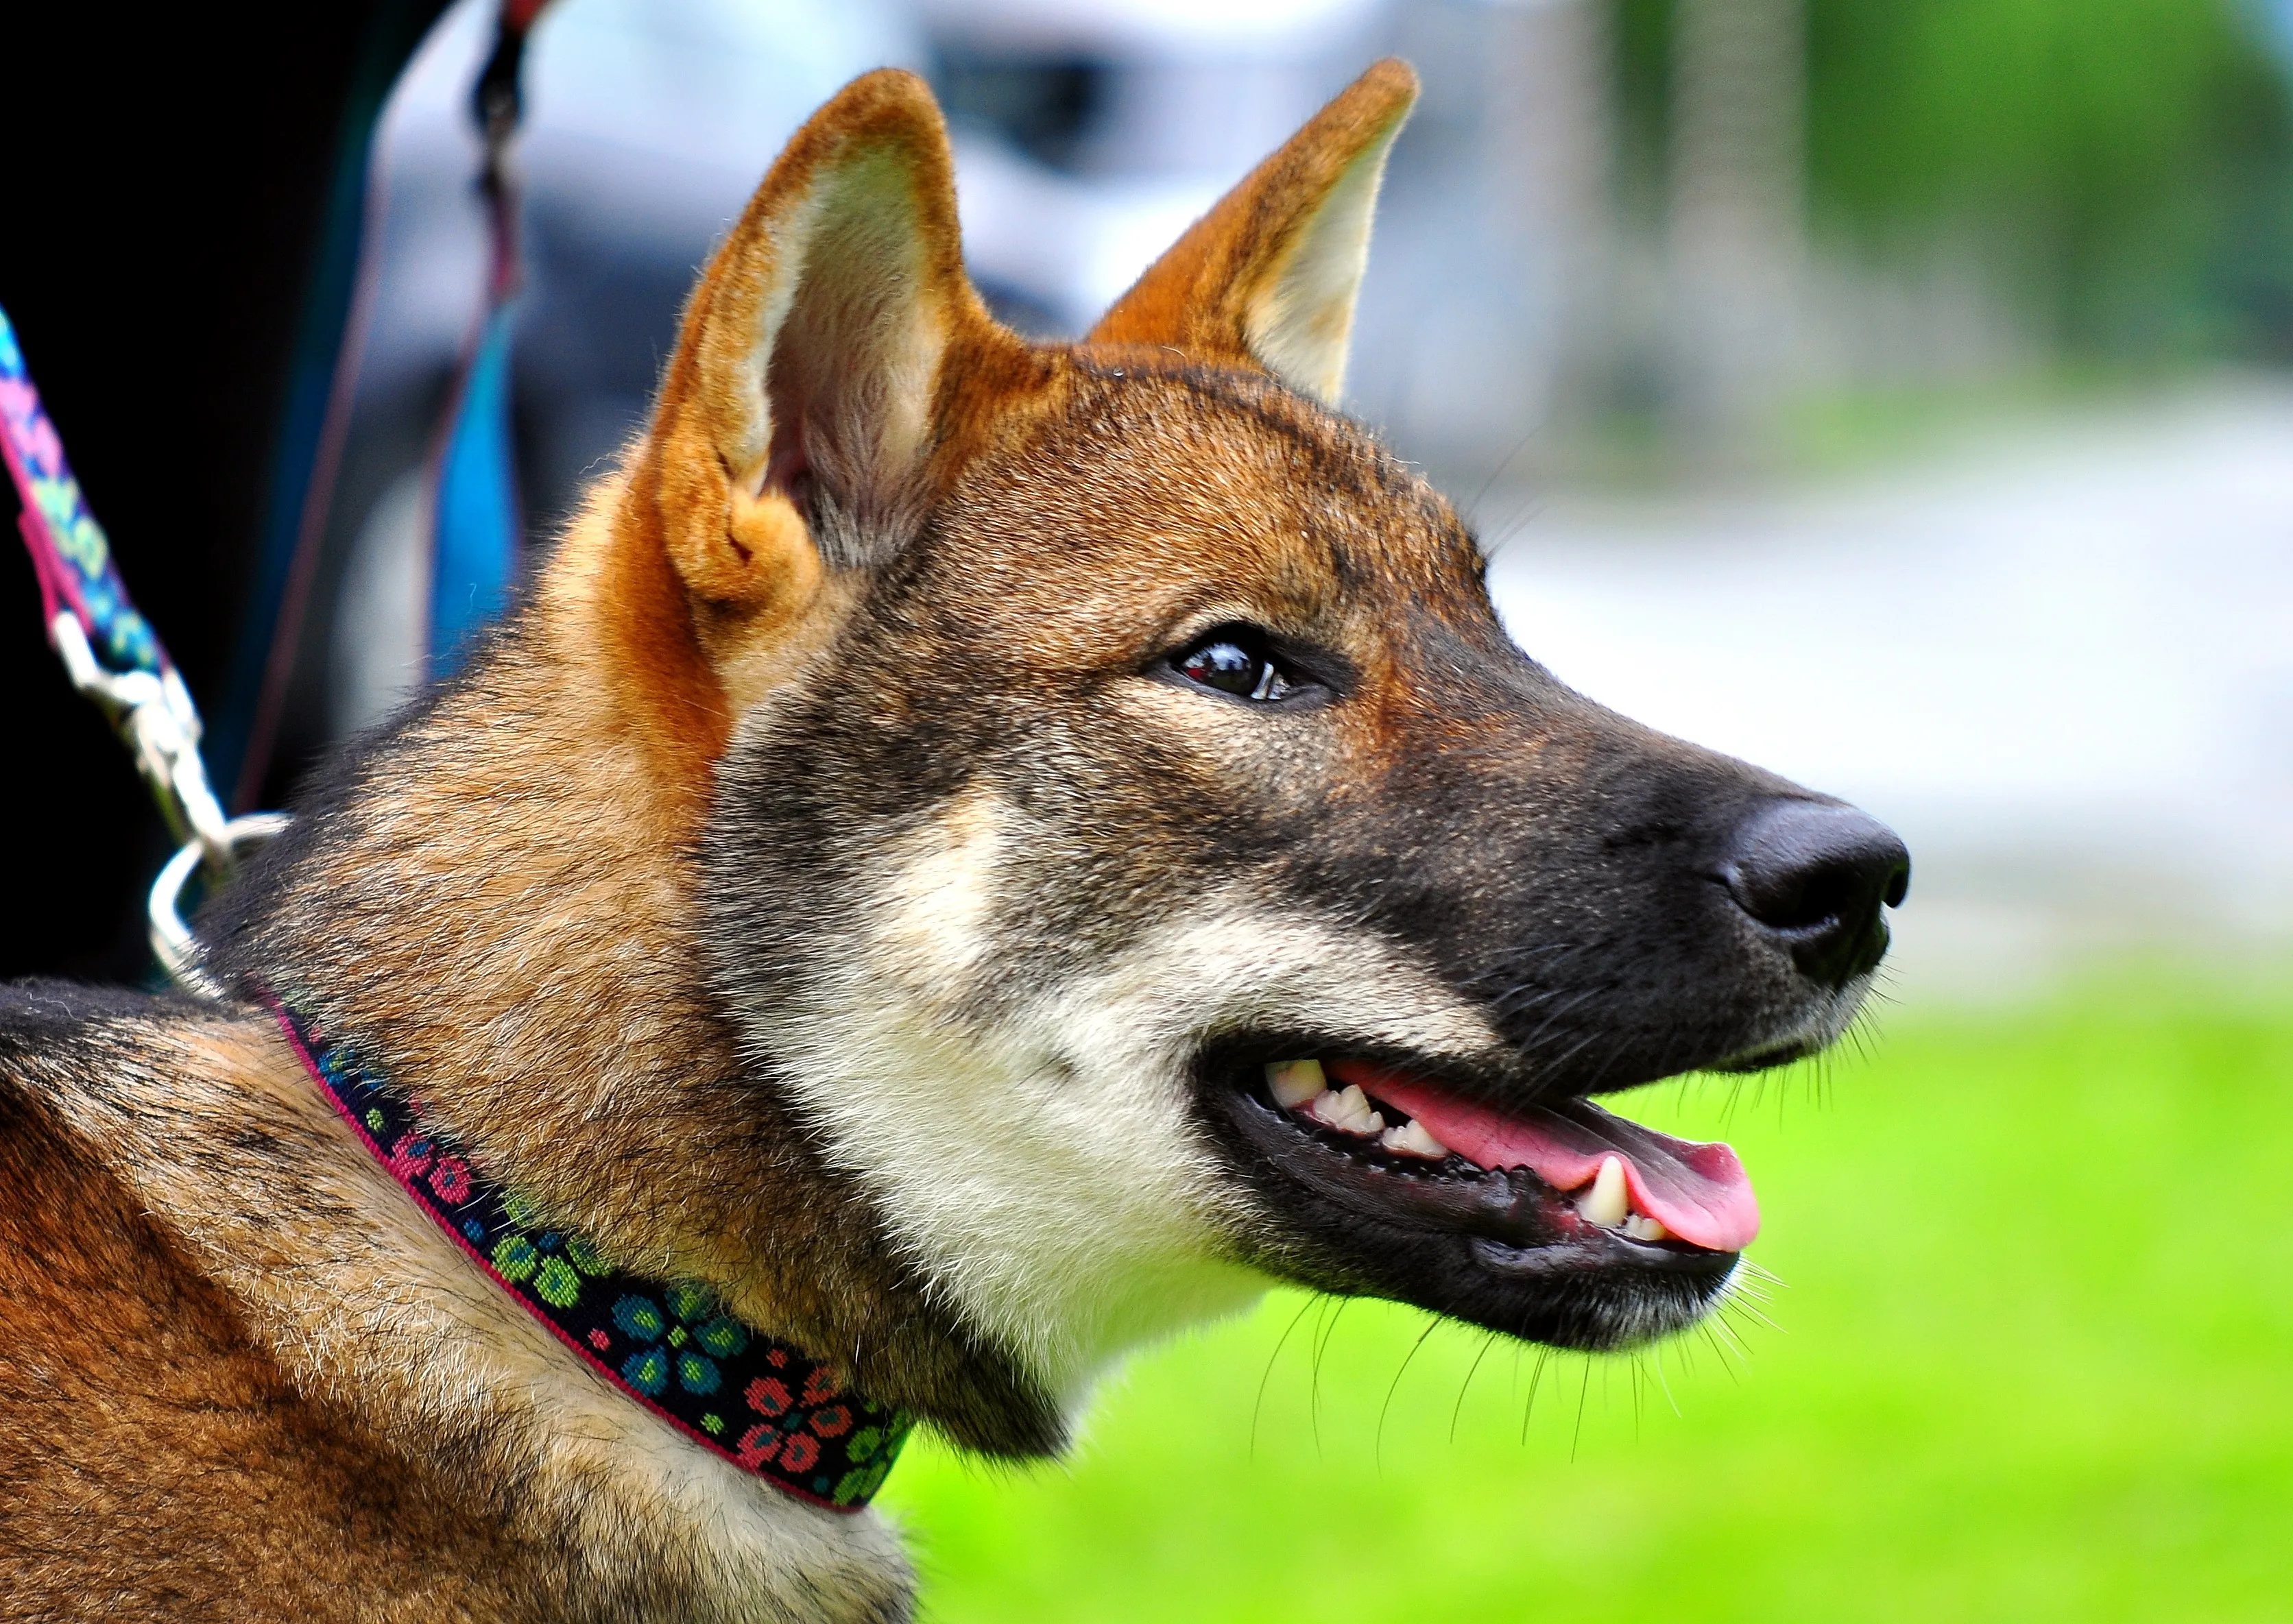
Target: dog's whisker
point(1489, 1341)
point(1377, 1450)
point(1583, 1396)
point(1271, 1359)
point(1536, 1380)
point(1656, 1353)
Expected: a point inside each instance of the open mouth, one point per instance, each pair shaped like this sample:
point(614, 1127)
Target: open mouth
point(1558, 1221)
point(1610, 1173)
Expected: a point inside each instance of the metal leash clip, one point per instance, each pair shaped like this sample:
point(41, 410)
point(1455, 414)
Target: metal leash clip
point(154, 714)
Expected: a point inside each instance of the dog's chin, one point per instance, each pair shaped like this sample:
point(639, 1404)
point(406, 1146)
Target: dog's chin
point(1397, 1216)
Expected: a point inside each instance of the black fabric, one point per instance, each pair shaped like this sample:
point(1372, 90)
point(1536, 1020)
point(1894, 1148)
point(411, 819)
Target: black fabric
point(156, 248)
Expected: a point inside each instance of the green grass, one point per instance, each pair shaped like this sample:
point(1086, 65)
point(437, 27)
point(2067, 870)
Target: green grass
point(2032, 1358)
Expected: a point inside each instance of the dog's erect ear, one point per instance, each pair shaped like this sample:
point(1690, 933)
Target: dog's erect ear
point(796, 418)
point(1267, 278)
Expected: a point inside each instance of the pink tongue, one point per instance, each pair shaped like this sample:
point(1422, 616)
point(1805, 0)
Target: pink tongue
point(1697, 1192)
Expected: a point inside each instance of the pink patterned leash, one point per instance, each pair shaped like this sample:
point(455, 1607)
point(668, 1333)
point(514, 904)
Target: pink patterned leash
point(115, 658)
point(69, 553)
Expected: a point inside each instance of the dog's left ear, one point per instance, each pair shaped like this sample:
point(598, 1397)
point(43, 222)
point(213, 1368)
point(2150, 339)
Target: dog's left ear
point(1267, 278)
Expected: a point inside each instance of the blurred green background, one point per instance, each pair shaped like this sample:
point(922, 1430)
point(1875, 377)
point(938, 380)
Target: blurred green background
point(2125, 165)
point(2028, 1354)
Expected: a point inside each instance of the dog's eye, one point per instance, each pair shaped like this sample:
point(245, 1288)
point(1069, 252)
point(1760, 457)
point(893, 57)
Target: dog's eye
point(1236, 660)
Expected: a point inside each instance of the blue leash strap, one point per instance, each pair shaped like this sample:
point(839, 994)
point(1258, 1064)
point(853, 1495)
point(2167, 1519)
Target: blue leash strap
point(475, 520)
point(474, 508)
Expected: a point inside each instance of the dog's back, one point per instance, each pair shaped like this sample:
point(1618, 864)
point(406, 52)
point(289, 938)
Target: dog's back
point(155, 1460)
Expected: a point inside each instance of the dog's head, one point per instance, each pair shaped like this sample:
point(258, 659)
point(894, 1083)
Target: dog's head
point(1134, 846)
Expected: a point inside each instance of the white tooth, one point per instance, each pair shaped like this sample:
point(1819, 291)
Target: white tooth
point(1293, 1082)
point(1640, 1226)
point(1347, 1110)
point(1606, 1203)
point(1357, 1117)
point(1411, 1139)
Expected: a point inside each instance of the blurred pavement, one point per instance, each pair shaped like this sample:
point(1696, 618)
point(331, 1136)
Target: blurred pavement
point(2059, 662)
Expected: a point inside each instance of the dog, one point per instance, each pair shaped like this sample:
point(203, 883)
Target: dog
point(973, 855)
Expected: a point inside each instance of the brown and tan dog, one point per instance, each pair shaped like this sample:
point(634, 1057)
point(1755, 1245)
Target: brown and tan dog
point(980, 853)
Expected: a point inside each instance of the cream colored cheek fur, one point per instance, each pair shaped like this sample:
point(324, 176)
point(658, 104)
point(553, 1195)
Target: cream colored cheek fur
point(1046, 1171)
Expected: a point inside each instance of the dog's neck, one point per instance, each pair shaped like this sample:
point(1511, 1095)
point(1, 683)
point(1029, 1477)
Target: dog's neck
point(494, 898)
point(770, 1408)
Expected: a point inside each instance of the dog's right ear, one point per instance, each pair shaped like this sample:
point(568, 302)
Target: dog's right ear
point(795, 426)
point(795, 418)
point(803, 385)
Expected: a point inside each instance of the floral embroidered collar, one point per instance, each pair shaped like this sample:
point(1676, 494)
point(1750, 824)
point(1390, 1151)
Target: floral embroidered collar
point(760, 1404)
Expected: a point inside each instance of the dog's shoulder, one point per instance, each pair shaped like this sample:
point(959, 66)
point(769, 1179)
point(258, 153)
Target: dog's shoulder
point(133, 1398)
point(74, 1249)
point(242, 1377)
point(79, 1254)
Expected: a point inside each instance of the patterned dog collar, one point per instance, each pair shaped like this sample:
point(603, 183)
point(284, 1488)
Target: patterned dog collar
point(759, 1403)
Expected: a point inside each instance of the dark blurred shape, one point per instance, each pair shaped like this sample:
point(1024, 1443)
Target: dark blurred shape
point(1045, 107)
point(646, 125)
point(156, 262)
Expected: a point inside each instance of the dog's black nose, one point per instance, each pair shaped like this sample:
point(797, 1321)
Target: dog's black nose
point(1815, 873)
